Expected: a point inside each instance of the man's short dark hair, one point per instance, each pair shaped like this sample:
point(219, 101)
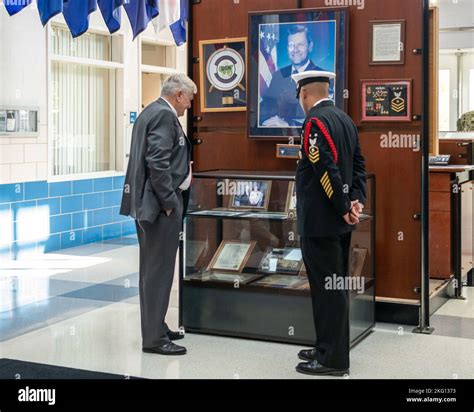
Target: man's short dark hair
point(299, 28)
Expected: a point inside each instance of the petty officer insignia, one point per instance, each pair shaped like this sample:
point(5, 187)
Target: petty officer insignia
point(313, 154)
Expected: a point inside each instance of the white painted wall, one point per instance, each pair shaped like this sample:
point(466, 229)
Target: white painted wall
point(23, 82)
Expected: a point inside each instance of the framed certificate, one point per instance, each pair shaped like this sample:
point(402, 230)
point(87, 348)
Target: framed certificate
point(231, 256)
point(251, 195)
point(387, 42)
point(223, 75)
point(386, 100)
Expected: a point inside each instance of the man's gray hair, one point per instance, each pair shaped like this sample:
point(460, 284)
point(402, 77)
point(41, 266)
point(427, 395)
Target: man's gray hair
point(178, 82)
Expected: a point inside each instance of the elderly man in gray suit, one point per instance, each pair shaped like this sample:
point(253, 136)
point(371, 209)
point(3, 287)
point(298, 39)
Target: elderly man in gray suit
point(158, 174)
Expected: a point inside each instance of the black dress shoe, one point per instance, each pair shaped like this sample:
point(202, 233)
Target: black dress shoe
point(307, 354)
point(168, 348)
point(315, 368)
point(175, 335)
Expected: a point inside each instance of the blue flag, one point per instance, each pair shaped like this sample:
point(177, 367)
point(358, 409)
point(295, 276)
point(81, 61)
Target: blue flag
point(140, 13)
point(76, 13)
point(178, 28)
point(111, 13)
point(14, 6)
point(48, 9)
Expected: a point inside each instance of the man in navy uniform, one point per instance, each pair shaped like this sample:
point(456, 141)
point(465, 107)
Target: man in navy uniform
point(331, 191)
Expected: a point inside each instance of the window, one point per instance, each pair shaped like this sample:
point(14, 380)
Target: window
point(158, 61)
point(82, 105)
point(444, 100)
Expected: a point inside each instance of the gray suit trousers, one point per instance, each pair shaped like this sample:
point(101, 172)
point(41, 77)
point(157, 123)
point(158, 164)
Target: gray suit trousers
point(158, 243)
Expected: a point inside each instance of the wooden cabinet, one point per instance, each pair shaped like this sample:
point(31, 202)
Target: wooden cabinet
point(451, 221)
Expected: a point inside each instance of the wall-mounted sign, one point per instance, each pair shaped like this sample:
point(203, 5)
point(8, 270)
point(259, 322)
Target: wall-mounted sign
point(223, 75)
point(386, 100)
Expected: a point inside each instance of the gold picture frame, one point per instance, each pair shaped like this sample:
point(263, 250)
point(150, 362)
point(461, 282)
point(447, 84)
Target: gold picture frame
point(213, 87)
point(223, 261)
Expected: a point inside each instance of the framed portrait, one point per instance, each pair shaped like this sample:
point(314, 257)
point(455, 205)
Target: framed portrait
point(223, 75)
point(290, 206)
point(387, 42)
point(281, 44)
point(251, 194)
point(231, 256)
point(386, 100)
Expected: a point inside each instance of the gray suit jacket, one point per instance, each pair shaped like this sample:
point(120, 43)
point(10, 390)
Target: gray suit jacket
point(159, 162)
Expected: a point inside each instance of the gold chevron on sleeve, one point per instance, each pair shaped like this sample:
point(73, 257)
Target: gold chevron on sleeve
point(326, 183)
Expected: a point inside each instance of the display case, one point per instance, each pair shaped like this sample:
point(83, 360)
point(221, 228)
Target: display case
point(241, 267)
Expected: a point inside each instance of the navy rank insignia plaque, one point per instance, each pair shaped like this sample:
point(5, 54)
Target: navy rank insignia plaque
point(386, 100)
point(223, 75)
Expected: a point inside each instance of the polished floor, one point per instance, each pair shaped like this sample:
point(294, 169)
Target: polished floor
point(79, 308)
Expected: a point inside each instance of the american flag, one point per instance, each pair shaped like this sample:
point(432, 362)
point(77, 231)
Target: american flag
point(267, 58)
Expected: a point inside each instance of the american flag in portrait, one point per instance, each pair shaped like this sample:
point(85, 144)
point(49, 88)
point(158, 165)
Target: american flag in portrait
point(267, 55)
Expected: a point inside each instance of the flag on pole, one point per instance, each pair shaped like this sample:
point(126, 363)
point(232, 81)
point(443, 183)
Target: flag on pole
point(14, 6)
point(48, 9)
point(140, 13)
point(267, 59)
point(173, 14)
point(76, 13)
point(111, 12)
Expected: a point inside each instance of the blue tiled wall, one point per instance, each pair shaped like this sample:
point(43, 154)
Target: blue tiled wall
point(43, 217)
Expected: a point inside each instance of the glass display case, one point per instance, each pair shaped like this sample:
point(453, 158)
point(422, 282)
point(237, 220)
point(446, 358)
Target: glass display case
point(242, 272)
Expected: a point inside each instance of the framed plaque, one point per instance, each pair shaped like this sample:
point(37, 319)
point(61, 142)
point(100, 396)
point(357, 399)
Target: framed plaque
point(386, 100)
point(231, 256)
point(251, 195)
point(387, 42)
point(223, 75)
point(288, 151)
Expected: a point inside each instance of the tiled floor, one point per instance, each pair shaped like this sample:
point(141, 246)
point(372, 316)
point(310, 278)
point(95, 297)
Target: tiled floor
point(79, 308)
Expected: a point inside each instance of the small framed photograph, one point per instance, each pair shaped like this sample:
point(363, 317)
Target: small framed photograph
point(251, 194)
point(231, 256)
point(387, 42)
point(386, 100)
point(290, 207)
point(223, 75)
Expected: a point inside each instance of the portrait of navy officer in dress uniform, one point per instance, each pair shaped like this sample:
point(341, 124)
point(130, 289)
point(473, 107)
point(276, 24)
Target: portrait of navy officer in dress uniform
point(279, 107)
